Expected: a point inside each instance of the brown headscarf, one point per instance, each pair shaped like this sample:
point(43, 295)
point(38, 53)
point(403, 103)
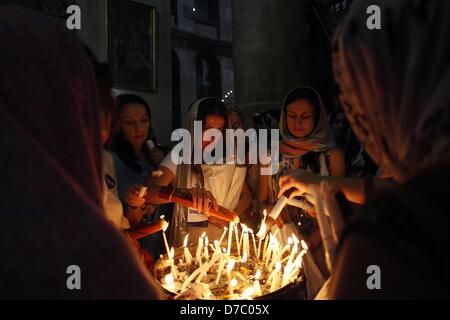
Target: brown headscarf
point(395, 82)
point(50, 171)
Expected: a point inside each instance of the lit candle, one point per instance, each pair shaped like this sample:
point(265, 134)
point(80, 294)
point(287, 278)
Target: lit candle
point(198, 256)
point(230, 237)
point(164, 228)
point(278, 256)
point(225, 229)
point(173, 268)
point(237, 240)
point(254, 240)
point(142, 191)
point(206, 249)
point(256, 285)
point(187, 253)
point(259, 243)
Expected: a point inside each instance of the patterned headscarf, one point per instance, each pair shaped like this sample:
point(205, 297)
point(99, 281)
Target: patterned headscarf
point(395, 82)
point(319, 140)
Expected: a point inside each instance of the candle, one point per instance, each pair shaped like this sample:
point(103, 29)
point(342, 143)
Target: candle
point(259, 242)
point(230, 236)
point(237, 240)
point(199, 249)
point(278, 256)
point(248, 293)
point(202, 269)
point(254, 241)
point(206, 249)
point(256, 285)
point(225, 229)
point(233, 283)
point(165, 226)
point(221, 266)
point(266, 244)
point(173, 268)
point(275, 278)
point(187, 253)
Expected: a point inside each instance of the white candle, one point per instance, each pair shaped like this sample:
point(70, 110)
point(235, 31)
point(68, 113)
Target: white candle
point(164, 228)
point(248, 293)
point(259, 242)
point(173, 268)
point(254, 241)
point(230, 237)
point(187, 253)
point(198, 256)
point(221, 266)
point(278, 256)
point(225, 229)
point(276, 278)
point(256, 285)
point(237, 240)
point(266, 244)
point(206, 248)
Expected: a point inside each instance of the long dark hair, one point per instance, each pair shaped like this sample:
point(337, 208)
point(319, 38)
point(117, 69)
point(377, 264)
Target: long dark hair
point(311, 159)
point(119, 144)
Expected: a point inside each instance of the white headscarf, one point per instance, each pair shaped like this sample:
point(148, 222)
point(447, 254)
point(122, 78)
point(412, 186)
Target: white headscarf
point(395, 82)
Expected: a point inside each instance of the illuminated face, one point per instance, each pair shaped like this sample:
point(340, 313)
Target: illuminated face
point(300, 118)
point(212, 122)
point(134, 123)
point(235, 121)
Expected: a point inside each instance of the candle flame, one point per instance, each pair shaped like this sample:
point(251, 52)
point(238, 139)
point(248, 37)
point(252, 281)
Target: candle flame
point(258, 274)
point(203, 235)
point(262, 231)
point(304, 245)
point(225, 229)
point(186, 240)
point(162, 217)
point(265, 213)
point(165, 225)
point(295, 239)
point(233, 282)
point(172, 253)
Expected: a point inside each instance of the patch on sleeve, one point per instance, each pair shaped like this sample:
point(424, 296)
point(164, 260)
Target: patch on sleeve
point(110, 182)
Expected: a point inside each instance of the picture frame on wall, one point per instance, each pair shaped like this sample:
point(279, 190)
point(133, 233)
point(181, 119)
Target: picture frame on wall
point(132, 45)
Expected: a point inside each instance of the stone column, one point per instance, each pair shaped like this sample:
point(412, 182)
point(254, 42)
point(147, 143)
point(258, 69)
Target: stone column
point(270, 51)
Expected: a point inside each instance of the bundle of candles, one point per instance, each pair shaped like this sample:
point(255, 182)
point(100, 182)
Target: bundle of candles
point(238, 266)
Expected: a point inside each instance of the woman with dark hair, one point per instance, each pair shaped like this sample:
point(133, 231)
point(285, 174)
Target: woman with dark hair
point(209, 184)
point(395, 91)
point(307, 143)
point(133, 144)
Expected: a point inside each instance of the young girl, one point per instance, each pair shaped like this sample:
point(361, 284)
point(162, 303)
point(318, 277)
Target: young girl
point(216, 184)
point(307, 143)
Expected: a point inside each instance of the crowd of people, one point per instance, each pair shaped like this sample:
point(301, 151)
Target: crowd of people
point(78, 158)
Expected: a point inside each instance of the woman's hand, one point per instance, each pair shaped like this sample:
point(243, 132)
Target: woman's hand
point(156, 155)
point(202, 200)
point(132, 198)
point(300, 180)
